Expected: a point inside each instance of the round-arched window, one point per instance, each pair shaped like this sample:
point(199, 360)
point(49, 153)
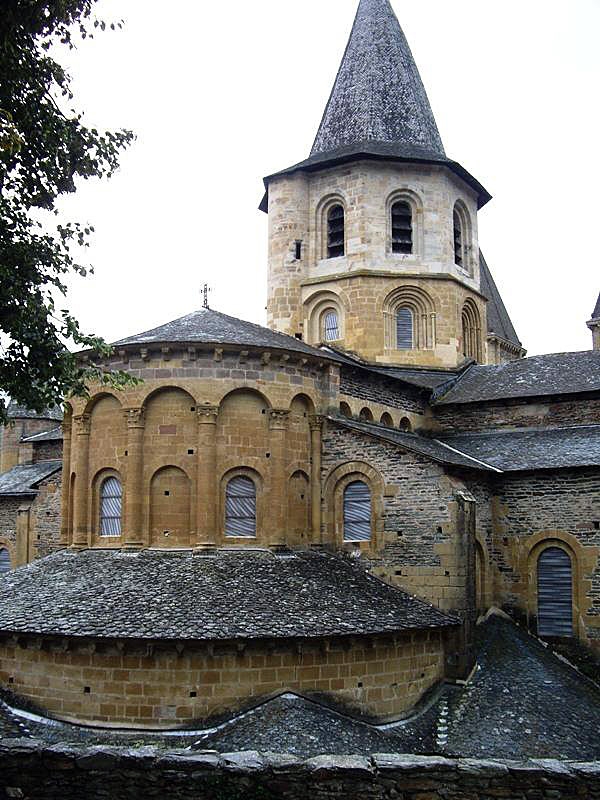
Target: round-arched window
point(240, 507)
point(357, 512)
point(330, 326)
point(404, 329)
point(111, 497)
point(336, 234)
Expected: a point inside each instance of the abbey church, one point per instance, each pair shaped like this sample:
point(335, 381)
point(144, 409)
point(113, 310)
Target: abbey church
point(325, 505)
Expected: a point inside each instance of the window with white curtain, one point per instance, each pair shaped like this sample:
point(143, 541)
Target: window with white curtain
point(240, 507)
point(111, 501)
point(357, 512)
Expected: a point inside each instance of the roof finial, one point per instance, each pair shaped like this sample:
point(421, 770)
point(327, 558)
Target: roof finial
point(205, 291)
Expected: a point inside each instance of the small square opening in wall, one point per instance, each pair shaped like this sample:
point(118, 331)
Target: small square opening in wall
point(87, 690)
point(167, 493)
point(193, 408)
point(360, 684)
point(190, 452)
point(597, 525)
point(193, 694)
point(398, 572)
point(126, 452)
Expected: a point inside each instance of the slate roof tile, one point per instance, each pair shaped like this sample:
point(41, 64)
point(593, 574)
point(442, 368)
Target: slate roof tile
point(536, 376)
point(212, 327)
point(596, 311)
point(430, 448)
point(532, 448)
point(53, 435)
point(499, 322)
point(170, 595)
point(24, 479)
point(16, 411)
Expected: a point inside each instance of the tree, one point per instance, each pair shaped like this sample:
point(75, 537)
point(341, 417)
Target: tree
point(44, 148)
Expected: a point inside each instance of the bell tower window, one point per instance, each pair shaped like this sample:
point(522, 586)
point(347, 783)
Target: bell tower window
point(404, 329)
point(402, 228)
point(331, 326)
point(458, 240)
point(336, 232)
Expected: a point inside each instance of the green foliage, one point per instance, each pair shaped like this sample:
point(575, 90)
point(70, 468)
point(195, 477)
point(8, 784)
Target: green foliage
point(44, 149)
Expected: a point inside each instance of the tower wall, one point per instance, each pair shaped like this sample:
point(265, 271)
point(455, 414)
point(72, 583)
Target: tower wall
point(360, 285)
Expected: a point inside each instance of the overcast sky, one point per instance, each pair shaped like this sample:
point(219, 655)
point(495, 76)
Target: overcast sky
point(221, 94)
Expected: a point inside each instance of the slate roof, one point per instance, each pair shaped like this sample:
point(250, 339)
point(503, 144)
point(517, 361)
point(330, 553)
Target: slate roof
point(378, 95)
point(212, 327)
point(430, 448)
point(16, 411)
point(53, 435)
point(24, 479)
point(532, 448)
point(596, 311)
point(536, 376)
point(170, 595)
point(499, 323)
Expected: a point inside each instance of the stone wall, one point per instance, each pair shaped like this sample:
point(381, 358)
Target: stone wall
point(47, 451)
point(381, 391)
point(9, 507)
point(160, 686)
point(45, 517)
point(31, 771)
point(517, 414)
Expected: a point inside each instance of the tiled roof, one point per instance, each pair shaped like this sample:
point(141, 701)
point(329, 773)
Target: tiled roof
point(528, 449)
point(537, 376)
point(24, 479)
point(211, 327)
point(499, 323)
point(54, 435)
point(15, 411)
point(430, 448)
point(378, 95)
point(245, 594)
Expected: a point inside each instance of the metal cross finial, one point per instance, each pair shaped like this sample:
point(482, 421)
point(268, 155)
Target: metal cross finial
point(205, 291)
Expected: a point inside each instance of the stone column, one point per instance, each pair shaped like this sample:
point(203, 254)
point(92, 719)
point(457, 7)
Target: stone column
point(133, 536)
point(206, 491)
point(65, 499)
point(316, 432)
point(81, 492)
point(275, 514)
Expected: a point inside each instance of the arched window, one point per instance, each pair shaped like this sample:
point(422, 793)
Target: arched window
point(555, 593)
point(330, 326)
point(345, 410)
point(471, 331)
point(111, 495)
point(404, 329)
point(405, 425)
point(366, 415)
point(459, 240)
point(402, 228)
point(240, 507)
point(357, 512)
point(386, 419)
point(4, 561)
point(335, 232)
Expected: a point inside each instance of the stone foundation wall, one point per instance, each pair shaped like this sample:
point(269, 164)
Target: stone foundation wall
point(165, 688)
point(517, 414)
point(29, 770)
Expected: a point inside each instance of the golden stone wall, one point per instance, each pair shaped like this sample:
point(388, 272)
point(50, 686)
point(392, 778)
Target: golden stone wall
point(160, 687)
point(365, 285)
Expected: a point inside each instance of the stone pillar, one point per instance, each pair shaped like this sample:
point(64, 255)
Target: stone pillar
point(81, 492)
point(65, 500)
point(316, 433)
point(276, 510)
point(594, 326)
point(206, 499)
point(23, 553)
point(133, 536)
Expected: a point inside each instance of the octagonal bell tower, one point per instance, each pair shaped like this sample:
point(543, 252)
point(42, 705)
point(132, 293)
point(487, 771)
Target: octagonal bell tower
point(373, 239)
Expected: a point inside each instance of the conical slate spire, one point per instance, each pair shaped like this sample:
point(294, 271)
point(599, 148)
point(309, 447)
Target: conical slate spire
point(378, 95)
point(596, 314)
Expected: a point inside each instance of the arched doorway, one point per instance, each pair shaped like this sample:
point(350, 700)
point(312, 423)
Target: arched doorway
point(555, 593)
point(5, 565)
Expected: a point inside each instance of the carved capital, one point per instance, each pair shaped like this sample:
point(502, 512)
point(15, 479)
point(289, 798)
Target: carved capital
point(279, 418)
point(316, 422)
point(82, 424)
point(207, 415)
point(135, 417)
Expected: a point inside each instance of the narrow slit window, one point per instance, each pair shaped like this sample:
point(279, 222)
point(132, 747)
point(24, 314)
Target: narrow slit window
point(402, 228)
point(298, 250)
point(458, 240)
point(240, 508)
point(4, 560)
point(357, 512)
point(331, 327)
point(111, 496)
point(404, 329)
point(335, 232)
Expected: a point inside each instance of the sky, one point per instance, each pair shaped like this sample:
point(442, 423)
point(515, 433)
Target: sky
point(221, 94)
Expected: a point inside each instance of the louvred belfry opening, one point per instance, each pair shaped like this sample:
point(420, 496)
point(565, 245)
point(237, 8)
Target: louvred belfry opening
point(335, 232)
point(402, 228)
point(555, 593)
